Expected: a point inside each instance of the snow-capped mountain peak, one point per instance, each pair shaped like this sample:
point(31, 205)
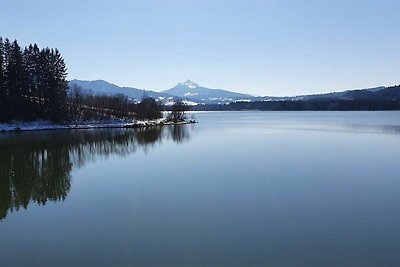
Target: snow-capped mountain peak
point(189, 90)
point(189, 84)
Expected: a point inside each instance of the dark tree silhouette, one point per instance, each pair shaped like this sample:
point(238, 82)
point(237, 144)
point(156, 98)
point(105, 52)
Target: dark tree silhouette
point(33, 83)
point(315, 105)
point(178, 112)
point(4, 109)
point(148, 108)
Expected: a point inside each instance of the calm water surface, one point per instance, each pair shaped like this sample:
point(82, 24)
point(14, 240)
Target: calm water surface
point(237, 189)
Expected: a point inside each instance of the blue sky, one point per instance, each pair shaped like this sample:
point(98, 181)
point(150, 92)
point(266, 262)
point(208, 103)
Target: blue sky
point(270, 47)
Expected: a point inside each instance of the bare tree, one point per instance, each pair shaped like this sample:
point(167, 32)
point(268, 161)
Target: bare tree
point(178, 112)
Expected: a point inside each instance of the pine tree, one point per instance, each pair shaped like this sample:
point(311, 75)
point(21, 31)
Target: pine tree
point(5, 94)
point(31, 60)
point(33, 83)
point(60, 86)
point(15, 82)
point(2, 90)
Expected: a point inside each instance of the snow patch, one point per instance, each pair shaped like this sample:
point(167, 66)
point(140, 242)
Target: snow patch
point(190, 84)
point(189, 103)
point(190, 94)
point(47, 125)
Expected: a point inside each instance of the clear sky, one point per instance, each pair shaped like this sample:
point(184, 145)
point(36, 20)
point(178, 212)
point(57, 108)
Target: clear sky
point(269, 47)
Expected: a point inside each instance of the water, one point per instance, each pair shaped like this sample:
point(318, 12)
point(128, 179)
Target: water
point(237, 189)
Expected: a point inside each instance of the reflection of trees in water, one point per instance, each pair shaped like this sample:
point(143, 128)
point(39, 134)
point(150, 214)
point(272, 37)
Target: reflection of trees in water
point(149, 137)
point(32, 172)
point(37, 166)
point(179, 133)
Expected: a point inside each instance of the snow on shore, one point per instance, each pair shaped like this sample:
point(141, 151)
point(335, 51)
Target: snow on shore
point(47, 125)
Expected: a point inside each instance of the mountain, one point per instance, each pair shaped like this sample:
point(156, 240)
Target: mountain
point(375, 93)
point(388, 93)
point(345, 95)
point(190, 92)
point(103, 87)
point(379, 98)
point(193, 92)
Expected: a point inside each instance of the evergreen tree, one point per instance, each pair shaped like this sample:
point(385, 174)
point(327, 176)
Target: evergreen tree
point(5, 114)
point(30, 59)
point(3, 107)
point(59, 86)
point(15, 82)
point(33, 83)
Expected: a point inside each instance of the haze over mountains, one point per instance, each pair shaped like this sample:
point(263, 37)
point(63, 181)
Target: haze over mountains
point(193, 94)
point(188, 91)
point(200, 94)
point(103, 87)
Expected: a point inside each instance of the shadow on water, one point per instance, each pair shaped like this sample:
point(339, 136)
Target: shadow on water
point(36, 166)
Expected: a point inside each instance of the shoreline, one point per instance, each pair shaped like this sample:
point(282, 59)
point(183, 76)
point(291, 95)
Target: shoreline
point(48, 126)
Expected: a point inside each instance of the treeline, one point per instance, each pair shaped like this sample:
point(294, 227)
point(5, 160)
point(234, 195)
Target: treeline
point(85, 106)
point(32, 83)
point(321, 105)
point(33, 86)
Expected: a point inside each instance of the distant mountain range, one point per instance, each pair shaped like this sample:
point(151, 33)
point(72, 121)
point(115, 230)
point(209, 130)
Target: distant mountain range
point(188, 91)
point(193, 94)
point(103, 87)
point(199, 94)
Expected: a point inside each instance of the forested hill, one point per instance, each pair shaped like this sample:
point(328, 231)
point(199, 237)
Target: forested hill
point(375, 94)
point(382, 99)
point(106, 88)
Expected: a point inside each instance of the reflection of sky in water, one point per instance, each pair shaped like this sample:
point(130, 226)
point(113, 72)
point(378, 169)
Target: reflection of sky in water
point(350, 128)
point(382, 122)
point(237, 189)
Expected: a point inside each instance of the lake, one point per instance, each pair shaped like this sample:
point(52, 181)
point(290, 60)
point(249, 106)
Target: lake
point(237, 189)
